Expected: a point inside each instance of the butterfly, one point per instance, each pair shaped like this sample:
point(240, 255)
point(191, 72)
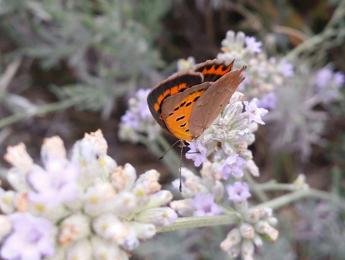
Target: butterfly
point(187, 103)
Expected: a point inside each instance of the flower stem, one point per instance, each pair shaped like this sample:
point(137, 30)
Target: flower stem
point(297, 193)
point(197, 222)
point(44, 109)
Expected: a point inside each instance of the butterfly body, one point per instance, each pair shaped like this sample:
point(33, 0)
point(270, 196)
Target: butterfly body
point(187, 103)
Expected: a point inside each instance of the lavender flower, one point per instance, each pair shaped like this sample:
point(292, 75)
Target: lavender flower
point(205, 206)
point(256, 224)
point(238, 192)
point(197, 152)
point(268, 101)
point(286, 68)
point(323, 77)
point(263, 74)
point(55, 186)
point(31, 238)
point(138, 122)
point(327, 84)
point(252, 44)
point(233, 166)
point(255, 113)
point(85, 203)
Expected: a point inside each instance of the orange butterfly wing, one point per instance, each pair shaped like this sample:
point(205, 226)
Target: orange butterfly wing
point(212, 70)
point(168, 88)
point(177, 110)
point(172, 101)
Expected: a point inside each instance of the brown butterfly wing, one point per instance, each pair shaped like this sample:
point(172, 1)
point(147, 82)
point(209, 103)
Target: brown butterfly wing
point(170, 87)
point(212, 102)
point(212, 70)
point(177, 109)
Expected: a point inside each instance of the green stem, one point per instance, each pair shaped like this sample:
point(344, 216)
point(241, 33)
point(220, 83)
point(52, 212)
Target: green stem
point(296, 194)
point(44, 109)
point(328, 31)
point(197, 222)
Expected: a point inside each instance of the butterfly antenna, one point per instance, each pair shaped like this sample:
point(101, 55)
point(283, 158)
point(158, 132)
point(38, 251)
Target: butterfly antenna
point(172, 146)
point(182, 145)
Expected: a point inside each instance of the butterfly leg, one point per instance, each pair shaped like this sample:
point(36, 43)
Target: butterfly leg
point(182, 145)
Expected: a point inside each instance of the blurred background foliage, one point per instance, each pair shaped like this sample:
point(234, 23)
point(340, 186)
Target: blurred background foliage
point(68, 66)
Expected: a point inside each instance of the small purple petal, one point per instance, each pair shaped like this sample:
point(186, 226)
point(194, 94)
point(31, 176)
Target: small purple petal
point(252, 44)
point(205, 206)
point(255, 113)
point(286, 68)
point(233, 165)
point(323, 77)
point(56, 185)
point(197, 152)
point(139, 111)
point(268, 101)
point(31, 238)
point(238, 192)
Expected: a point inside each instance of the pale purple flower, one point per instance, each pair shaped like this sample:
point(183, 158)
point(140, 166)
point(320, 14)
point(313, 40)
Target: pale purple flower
point(55, 185)
point(139, 111)
point(32, 238)
point(323, 77)
point(255, 113)
point(205, 206)
point(130, 119)
point(327, 84)
point(286, 68)
point(252, 44)
point(238, 192)
point(233, 165)
point(197, 152)
point(268, 101)
point(339, 79)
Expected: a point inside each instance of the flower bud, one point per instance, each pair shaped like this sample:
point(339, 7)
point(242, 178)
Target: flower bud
point(233, 238)
point(123, 178)
point(53, 149)
point(157, 216)
point(272, 221)
point(301, 182)
point(19, 158)
point(5, 226)
point(147, 183)
point(106, 250)
point(159, 198)
point(144, 231)
point(7, 201)
point(108, 226)
point(258, 241)
point(234, 251)
point(247, 231)
point(73, 228)
point(183, 207)
point(264, 228)
point(98, 199)
point(80, 251)
point(247, 250)
point(131, 241)
point(124, 203)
